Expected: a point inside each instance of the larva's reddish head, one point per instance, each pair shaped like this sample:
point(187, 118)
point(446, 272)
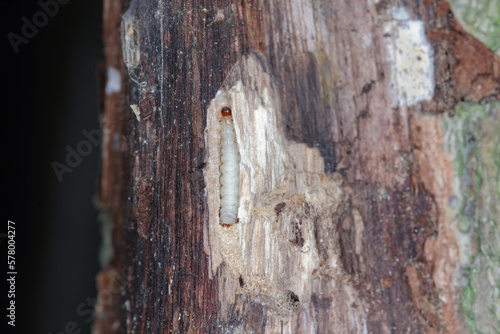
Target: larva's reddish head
point(226, 111)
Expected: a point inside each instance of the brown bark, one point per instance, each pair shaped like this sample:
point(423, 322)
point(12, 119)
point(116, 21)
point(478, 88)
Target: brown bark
point(385, 228)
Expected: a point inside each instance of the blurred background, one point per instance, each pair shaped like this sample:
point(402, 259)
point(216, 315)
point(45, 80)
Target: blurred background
point(50, 95)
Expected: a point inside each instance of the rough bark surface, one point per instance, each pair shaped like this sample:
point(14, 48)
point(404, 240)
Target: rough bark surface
point(384, 254)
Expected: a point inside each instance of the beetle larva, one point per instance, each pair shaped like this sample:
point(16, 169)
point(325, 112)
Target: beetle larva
point(230, 170)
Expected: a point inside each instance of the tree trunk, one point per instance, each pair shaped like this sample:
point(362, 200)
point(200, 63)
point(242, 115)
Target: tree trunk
point(368, 171)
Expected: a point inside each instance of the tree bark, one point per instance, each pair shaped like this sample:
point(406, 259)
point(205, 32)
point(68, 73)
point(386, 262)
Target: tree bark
point(369, 171)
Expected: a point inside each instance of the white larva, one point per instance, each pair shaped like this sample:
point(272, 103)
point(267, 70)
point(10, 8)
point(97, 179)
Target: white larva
point(230, 170)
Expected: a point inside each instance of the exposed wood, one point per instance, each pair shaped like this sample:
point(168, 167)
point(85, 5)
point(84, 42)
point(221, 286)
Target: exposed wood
point(340, 112)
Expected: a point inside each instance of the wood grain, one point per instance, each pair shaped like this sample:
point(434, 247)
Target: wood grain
point(382, 255)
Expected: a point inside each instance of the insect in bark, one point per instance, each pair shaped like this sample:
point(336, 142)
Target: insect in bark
point(230, 170)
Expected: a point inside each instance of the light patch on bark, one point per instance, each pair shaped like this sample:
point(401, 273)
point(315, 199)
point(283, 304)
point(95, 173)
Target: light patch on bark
point(114, 82)
point(409, 53)
point(131, 44)
point(135, 110)
point(272, 252)
point(359, 228)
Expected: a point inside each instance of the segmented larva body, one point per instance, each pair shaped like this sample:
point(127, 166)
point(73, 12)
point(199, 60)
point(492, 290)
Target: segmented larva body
point(230, 170)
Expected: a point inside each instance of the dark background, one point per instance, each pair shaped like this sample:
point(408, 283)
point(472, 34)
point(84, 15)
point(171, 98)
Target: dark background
point(49, 95)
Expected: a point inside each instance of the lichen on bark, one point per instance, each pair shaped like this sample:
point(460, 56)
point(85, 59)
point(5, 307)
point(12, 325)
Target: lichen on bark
point(481, 19)
point(472, 137)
